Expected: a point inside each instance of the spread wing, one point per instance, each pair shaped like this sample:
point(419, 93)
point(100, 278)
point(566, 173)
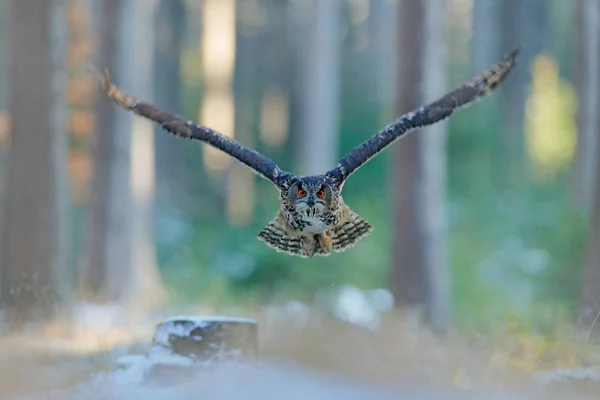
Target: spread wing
point(177, 126)
point(466, 95)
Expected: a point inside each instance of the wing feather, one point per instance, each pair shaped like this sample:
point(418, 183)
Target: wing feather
point(464, 96)
point(177, 126)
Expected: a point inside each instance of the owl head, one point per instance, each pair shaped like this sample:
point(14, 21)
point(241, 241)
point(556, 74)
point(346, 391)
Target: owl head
point(312, 195)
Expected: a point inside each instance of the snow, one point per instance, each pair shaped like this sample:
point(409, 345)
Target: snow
point(362, 307)
point(256, 381)
point(569, 375)
point(292, 312)
point(204, 321)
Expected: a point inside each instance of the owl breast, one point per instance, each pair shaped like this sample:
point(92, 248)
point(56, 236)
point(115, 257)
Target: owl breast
point(315, 225)
point(308, 223)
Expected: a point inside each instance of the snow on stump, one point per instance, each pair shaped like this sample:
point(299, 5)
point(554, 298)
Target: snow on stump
point(185, 346)
point(208, 338)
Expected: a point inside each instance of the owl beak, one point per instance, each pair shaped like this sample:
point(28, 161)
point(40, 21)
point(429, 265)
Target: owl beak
point(311, 201)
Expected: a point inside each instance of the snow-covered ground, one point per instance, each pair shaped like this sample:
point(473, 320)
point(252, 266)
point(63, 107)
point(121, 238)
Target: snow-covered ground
point(266, 381)
point(350, 352)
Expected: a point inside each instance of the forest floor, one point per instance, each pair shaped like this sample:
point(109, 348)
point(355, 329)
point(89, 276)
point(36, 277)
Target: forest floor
point(315, 357)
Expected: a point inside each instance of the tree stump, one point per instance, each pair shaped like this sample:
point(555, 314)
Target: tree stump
point(185, 346)
point(206, 338)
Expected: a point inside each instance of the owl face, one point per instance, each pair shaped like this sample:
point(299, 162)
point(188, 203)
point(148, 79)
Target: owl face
point(313, 196)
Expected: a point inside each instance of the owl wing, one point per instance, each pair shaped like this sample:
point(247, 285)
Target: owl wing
point(177, 126)
point(464, 96)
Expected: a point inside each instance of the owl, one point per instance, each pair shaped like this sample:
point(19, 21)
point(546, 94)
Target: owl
point(313, 218)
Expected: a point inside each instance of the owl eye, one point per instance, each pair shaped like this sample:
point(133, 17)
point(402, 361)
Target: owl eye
point(301, 192)
point(321, 194)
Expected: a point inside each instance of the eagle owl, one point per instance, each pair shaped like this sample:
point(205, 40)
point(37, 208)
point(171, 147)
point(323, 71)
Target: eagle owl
point(313, 218)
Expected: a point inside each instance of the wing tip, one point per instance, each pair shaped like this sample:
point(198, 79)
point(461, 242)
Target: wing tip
point(512, 56)
point(123, 99)
point(103, 78)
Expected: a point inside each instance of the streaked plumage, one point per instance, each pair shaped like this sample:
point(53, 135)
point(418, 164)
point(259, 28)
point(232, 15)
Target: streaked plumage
point(313, 218)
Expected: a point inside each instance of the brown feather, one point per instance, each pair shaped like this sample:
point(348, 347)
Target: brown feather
point(349, 231)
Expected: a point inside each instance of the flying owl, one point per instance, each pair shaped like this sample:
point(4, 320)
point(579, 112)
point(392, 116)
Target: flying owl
point(313, 218)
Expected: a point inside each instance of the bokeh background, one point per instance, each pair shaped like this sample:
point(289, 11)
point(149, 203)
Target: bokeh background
point(488, 221)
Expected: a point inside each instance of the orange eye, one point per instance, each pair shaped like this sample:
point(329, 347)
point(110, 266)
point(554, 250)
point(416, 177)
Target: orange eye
point(301, 192)
point(321, 194)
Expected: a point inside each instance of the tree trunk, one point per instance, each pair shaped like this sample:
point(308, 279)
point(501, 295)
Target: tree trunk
point(420, 270)
point(122, 217)
point(409, 278)
point(524, 22)
point(381, 39)
point(35, 230)
point(218, 60)
point(141, 286)
point(587, 81)
point(433, 166)
point(588, 169)
point(256, 54)
point(172, 173)
point(94, 283)
point(274, 69)
point(322, 95)
point(590, 299)
point(486, 34)
point(5, 49)
point(5, 90)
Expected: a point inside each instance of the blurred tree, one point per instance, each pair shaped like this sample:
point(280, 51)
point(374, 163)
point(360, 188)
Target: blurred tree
point(94, 283)
point(380, 40)
point(5, 38)
point(322, 93)
point(241, 181)
point(486, 34)
point(172, 172)
point(35, 229)
point(419, 272)
point(298, 25)
point(218, 61)
point(526, 23)
point(587, 80)
point(254, 57)
point(275, 74)
point(409, 282)
point(432, 141)
point(217, 108)
point(121, 225)
point(590, 299)
point(587, 171)
point(135, 64)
